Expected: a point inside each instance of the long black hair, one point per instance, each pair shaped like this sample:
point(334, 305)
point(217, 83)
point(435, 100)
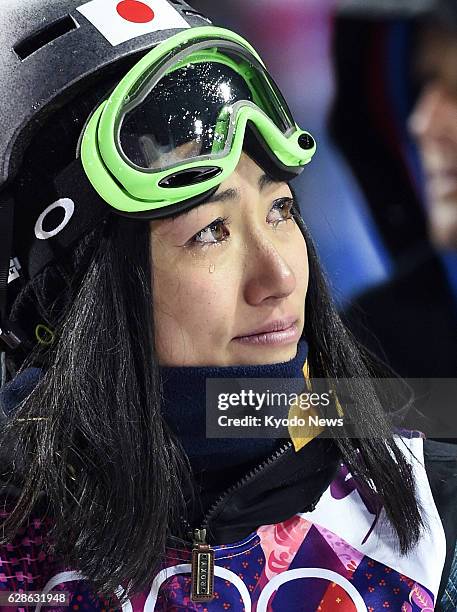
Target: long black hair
point(91, 438)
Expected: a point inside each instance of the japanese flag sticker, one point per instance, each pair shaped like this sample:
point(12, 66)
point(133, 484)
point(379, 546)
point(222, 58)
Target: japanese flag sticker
point(122, 20)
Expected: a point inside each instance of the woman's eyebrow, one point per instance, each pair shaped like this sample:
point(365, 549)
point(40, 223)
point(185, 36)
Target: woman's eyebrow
point(223, 196)
point(265, 181)
point(233, 194)
point(230, 194)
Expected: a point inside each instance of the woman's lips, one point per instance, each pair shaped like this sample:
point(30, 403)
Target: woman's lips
point(282, 332)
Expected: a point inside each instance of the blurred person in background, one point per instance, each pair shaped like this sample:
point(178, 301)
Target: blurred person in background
point(395, 119)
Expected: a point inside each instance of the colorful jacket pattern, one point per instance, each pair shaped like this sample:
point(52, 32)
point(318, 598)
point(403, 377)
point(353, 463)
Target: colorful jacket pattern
point(341, 556)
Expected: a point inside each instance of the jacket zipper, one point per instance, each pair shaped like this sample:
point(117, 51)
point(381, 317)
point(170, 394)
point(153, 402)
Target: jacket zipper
point(246, 478)
point(202, 564)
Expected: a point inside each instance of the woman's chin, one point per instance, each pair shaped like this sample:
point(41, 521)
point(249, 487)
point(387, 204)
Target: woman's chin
point(261, 355)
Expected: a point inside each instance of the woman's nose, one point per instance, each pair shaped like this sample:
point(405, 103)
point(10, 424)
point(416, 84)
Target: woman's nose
point(269, 277)
point(427, 121)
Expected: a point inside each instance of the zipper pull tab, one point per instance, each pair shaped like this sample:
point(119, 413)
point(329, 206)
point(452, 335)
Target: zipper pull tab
point(202, 568)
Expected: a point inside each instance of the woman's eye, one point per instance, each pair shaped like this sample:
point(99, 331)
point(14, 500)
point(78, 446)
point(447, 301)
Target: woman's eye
point(281, 211)
point(212, 234)
point(218, 232)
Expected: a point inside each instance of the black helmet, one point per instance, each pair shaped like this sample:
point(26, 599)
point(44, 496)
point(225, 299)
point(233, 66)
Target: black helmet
point(51, 51)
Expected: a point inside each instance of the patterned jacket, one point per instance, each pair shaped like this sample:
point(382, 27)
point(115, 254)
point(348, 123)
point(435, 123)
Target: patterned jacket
point(279, 542)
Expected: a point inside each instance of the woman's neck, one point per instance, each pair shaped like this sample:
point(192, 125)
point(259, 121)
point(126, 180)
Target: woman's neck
point(184, 409)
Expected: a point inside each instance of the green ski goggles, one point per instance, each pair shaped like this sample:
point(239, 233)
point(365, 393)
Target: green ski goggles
point(174, 127)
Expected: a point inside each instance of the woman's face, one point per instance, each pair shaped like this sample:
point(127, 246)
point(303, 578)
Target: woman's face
point(230, 276)
point(434, 125)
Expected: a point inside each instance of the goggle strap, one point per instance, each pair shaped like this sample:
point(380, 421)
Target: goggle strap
point(9, 338)
point(6, 241)
point(89, 209)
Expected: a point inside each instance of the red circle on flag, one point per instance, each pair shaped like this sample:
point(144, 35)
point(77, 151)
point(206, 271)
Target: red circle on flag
point(135, 11)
